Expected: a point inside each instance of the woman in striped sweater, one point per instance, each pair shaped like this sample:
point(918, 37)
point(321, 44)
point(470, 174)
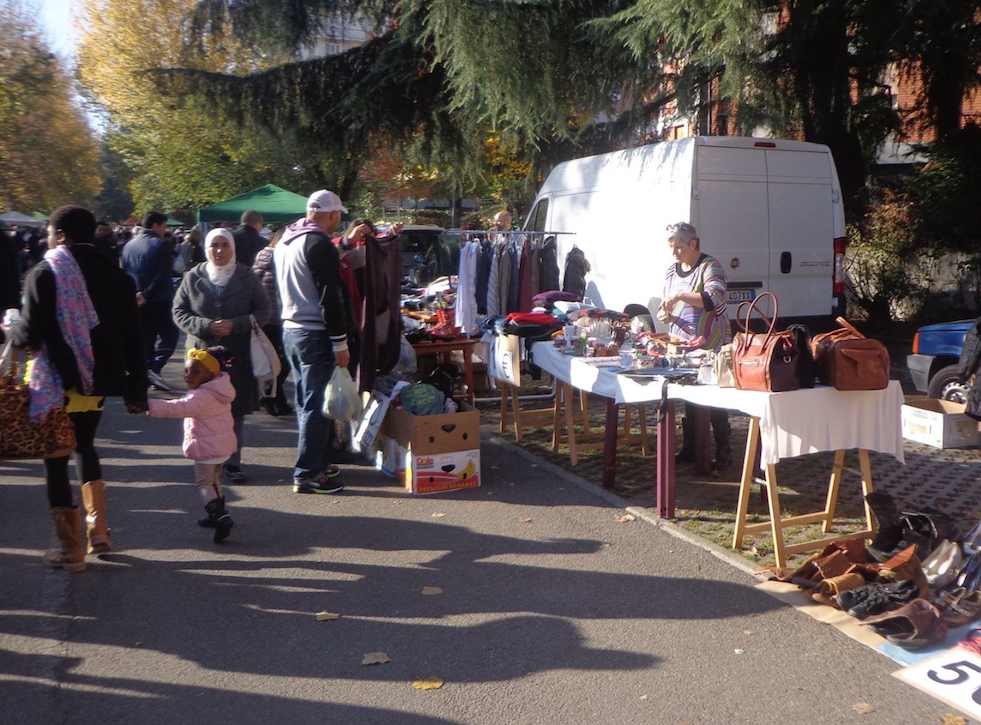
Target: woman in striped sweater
point(693, 303)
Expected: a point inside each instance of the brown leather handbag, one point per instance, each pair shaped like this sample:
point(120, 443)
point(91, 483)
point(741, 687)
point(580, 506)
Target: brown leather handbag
point(764, 361)
point(20, 436)
point(848, 360)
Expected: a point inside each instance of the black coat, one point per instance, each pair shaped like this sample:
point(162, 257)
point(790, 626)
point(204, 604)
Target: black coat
point(968, 366)
point(117, 342)
point(248, 242)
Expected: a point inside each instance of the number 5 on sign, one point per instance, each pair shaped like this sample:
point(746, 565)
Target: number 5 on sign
point(954, 677)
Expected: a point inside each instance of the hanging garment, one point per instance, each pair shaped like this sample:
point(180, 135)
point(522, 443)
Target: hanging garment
point(576, 267)
point(484, 253)
point(548, 278)
point(505, 279)
point(524, 280)
point(380, 336)
point(494, 284)
point(536, 267)
point(514, 288)
point(466, 289)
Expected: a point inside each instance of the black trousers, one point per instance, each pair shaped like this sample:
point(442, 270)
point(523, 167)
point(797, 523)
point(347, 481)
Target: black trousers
point(86, 460)
point(157, 320)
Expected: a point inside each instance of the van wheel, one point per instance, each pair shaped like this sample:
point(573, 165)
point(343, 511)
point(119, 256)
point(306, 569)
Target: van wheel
point(946, 385)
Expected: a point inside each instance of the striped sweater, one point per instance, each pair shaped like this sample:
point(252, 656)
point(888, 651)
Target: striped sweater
point(688, 321)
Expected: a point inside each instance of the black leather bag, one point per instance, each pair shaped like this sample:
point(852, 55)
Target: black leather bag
point(805, 359)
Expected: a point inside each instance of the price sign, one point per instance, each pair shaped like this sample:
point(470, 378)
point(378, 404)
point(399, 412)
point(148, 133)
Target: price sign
point(954, 677)
point(370, 423)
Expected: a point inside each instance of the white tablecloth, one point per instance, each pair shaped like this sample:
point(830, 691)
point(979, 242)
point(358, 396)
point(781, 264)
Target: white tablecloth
point(791, 424)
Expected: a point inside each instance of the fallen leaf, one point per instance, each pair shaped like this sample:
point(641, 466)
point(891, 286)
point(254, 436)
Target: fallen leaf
point(740, 651)
point(430, 683)
point(754, 551)
point(526, 521)
point(863, 708)
point(326, 616)
point(624, 518)
point(431, 591)
point(438, 515)
point(952, 719)
point(643, 697)
point(747, 631)
point(375, 658)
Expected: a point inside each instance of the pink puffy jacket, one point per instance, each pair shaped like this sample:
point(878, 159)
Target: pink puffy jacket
point(207, 414)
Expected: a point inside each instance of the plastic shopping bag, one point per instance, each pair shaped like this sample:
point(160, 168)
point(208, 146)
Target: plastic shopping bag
point(341, 401)
point(407, 358)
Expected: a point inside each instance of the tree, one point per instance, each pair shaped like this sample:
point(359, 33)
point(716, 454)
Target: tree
point(114, 202)
point(48, 156)
point(183, 151)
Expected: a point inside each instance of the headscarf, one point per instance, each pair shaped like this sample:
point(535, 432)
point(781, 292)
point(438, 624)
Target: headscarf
point(76, 317)
point(219, 276)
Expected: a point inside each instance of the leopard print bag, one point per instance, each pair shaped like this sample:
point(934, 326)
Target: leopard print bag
point(20, 436)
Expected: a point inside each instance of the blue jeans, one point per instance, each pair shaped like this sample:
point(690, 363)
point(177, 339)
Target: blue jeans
point(312, 358)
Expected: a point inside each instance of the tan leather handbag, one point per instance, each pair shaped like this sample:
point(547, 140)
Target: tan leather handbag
point(848, 360)
point(764, 361)
point(20, 436)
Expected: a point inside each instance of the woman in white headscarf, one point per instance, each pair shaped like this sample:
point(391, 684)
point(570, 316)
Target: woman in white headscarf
point(215, 305)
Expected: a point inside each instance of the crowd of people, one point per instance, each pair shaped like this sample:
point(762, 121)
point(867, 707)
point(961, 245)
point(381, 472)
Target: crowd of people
point(101, 315)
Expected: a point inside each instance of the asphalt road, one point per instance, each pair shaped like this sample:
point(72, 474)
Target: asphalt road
point(551, 611)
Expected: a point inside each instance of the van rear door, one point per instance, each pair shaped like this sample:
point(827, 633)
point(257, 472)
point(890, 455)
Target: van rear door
point(800, 195)
point(730, 212)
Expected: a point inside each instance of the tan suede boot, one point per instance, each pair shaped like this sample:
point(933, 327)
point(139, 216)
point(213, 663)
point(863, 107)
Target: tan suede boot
point(68, 526)
point(94, 500)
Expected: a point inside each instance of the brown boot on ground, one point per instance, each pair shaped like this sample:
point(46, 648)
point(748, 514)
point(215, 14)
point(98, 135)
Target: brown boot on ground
point(68, 526)
point(94, 500)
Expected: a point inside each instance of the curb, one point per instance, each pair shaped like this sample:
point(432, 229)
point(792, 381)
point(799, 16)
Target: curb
point(611, 498)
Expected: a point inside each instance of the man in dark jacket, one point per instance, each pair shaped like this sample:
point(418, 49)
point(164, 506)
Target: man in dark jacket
point(119, 370)
point(248, 241)
point(149, 259)
point(105, 242)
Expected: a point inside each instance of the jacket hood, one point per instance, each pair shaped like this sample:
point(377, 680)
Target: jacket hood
point(299, 228)
point(221, 388)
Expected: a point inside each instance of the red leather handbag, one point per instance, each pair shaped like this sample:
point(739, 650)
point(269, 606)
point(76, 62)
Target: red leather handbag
point(765, 361)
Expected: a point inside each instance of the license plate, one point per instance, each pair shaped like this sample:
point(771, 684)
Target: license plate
point(735, 296)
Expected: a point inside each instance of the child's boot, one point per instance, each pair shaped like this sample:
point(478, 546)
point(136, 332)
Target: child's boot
point(218, 519)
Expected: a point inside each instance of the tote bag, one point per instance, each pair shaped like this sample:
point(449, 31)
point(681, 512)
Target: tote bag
point(265, 360)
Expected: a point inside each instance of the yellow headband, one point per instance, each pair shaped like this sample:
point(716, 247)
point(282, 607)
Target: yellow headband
point(204, 357)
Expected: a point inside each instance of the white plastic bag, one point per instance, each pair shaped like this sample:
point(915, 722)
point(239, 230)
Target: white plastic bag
point(341, 401)
point(407, 358)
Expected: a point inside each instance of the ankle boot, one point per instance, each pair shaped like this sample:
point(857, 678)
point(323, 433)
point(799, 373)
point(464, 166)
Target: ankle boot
point(96, 528)
point(889, 525)
point(68, 527)
point(222, 521)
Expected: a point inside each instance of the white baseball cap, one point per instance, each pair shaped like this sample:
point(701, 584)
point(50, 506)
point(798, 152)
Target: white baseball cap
point(324, 200)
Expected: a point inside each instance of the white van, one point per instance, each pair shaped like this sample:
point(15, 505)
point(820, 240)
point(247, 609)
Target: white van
point(769, 210)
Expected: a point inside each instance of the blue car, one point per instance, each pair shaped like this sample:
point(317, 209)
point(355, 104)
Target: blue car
point(933, 364)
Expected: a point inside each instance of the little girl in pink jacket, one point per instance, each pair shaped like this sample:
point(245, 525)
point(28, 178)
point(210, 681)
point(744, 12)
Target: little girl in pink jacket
point(209, 437)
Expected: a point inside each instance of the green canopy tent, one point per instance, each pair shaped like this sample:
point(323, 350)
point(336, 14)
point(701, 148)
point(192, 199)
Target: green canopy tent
point(174, 223)
point(275, 205)
point(38, 215)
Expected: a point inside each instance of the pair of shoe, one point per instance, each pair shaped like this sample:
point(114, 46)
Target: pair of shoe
point(970, 575)
point(915, 625)
point(875, 598)
point(234, 474)
point(321, 484)
point(959, 606)
point(942, 565)
point(157, 381)
point(217, 519)
point(275, 408)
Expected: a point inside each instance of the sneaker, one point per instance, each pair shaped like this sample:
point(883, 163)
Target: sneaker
point(323, 484)
point(234, 474)
point(158, 382)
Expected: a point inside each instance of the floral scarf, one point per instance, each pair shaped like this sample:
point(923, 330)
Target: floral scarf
point(76, 317)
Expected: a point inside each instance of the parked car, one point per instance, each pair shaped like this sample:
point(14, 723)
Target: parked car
point(428, 253)
point(933, 362)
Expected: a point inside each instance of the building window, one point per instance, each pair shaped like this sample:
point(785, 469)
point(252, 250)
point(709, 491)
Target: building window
point(332, 49)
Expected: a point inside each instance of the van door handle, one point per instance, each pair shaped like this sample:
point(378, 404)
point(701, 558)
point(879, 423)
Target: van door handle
point(786, 261)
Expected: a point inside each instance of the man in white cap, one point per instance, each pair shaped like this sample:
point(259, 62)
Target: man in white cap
point(314, 331)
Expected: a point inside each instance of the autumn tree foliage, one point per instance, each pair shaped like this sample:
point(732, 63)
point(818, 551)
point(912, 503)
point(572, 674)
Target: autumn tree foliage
point(48, 155)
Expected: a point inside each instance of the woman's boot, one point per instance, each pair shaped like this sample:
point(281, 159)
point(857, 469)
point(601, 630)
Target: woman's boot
point(219, 518)
point(68, 527)
point(96, 528)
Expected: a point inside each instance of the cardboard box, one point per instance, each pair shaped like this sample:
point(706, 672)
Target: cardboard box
point(940, 423)
point(435, 453)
